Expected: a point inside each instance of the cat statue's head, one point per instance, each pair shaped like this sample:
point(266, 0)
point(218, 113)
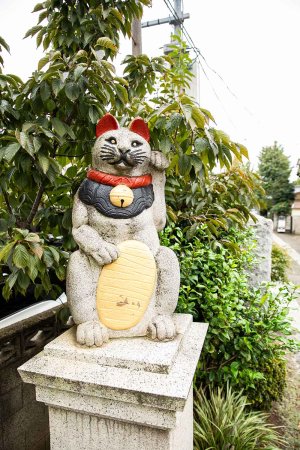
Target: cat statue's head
point(121, 151)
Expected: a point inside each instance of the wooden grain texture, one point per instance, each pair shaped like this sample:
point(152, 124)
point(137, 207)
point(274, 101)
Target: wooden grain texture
point(125, 287)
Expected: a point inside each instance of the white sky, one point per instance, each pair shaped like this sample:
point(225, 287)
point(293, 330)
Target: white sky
point(253, 44)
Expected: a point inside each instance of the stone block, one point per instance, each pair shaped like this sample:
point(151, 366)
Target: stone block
point(131, 393)
point(9, 378)
point(27, 426)
point(261, 270)
point(11, 402)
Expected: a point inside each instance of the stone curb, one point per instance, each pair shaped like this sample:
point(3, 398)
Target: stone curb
point(291, 252)
point(294, 305)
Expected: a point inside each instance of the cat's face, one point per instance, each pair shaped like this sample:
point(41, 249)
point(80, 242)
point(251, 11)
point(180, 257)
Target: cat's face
point(120, 151)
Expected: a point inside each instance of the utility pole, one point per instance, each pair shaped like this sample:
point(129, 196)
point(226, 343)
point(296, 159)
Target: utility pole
point(178, 10)
point(172, 20)
point(176, 20)
point(136, 36)
point(136, 28)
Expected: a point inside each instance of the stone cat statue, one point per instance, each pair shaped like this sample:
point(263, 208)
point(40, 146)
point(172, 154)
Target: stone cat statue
point(121, 282)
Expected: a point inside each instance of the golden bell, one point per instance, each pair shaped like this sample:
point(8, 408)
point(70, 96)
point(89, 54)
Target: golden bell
point(121, 196)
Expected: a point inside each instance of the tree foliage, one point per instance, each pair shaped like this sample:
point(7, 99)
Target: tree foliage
point(47, 127)
point(249, 328)
point(3, 44)
point(275, 169)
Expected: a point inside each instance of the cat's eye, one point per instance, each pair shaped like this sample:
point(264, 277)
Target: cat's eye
point(111, 140)
point(136, 144)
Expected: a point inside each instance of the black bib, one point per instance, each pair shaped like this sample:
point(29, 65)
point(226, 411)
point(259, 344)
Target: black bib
point(97, 195)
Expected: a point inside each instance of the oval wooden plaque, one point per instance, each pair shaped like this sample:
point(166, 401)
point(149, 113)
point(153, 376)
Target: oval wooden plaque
point(125, 287)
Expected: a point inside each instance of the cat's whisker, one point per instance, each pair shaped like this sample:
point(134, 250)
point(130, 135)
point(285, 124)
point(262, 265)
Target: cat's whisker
point(108, 158)
point(138, 155)
point(108, 147)
point(138, 152)
point(106, 152)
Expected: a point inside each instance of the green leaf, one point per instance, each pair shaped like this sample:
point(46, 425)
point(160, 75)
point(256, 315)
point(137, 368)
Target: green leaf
point(32, 237)
point(243, 150)
point(11, 280)
point(57, 85)
point(4, 44)
point(20, 256)
point(93, 114)
point(81, 54)
point(45, 91)
point(201, 144)
point(38, 7)
point(36, 144)
point(23, 281)
point(198, 117)
point(55, 254)
point(3, 225)
point(122, 93)
point(78, 72)
point(184, 164)
point(208, 114)
point(106, 43)
point(58, 126)
point(60, 272)
point(48, 257)
point(72, 91)
point(67, 219)
point(5, 251)
point(42, 62)
point(33, 31)
point(11, 150)
point(44, 162)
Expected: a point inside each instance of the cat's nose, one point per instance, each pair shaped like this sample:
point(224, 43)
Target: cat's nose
point(123, 150)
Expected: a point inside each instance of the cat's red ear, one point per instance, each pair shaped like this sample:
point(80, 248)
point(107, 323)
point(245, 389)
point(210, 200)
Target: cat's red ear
point(107, 123)
point(140, 127)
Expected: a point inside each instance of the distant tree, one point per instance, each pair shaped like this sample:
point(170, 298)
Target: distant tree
point(275, 169)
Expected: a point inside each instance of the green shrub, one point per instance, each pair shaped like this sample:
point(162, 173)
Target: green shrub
point(223, 422)
point(248, 328)
point(280, 264)
point(28, 264)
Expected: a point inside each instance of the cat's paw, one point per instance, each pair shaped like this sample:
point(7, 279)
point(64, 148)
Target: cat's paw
point(158, 160)
point(91, 333)
point(106, 254)
point(162, 327)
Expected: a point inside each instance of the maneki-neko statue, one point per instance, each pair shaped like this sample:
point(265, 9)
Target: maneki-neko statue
point(121, 282)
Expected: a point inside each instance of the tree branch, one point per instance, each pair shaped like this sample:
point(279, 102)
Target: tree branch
point(5, 196)
point(35, 205)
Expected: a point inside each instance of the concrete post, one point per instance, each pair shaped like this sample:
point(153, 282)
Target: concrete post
point(132, 393)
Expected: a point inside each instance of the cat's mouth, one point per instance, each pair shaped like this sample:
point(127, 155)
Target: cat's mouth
point(123, 161)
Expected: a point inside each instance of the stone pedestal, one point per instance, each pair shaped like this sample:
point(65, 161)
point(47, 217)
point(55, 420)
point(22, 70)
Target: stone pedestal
point(133, 393)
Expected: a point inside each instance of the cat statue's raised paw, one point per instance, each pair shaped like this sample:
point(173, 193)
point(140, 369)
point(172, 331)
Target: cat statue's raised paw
point(121, 282)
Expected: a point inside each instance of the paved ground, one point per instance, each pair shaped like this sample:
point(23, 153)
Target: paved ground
point(291, 239)
point(288, 410)
point(291, 243)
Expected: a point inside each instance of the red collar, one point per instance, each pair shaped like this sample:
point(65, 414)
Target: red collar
point(115, 180)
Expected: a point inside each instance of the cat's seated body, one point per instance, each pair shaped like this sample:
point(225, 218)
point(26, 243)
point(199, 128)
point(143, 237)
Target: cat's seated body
point(123, 157)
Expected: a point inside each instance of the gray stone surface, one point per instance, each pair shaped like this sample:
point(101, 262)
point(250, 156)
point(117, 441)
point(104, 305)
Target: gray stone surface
point(140, 354)
point(23, 421)
point(261, 270)
point(98, 237)
point(102, 399)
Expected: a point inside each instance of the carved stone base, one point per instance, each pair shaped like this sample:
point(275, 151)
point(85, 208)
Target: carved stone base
point(129, 394)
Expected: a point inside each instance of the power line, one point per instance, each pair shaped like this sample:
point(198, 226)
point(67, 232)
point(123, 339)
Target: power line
point(198, 58)
point(199, 55)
